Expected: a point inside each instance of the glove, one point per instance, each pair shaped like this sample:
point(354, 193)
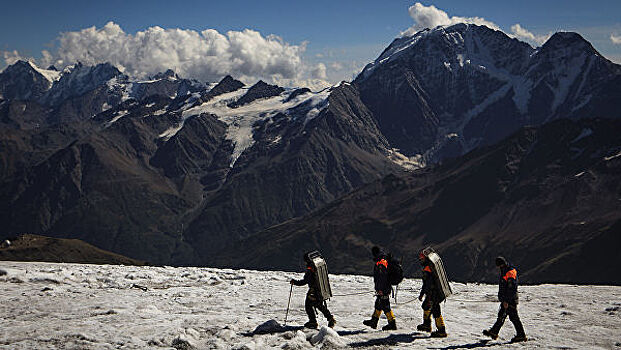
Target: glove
point(420, 297)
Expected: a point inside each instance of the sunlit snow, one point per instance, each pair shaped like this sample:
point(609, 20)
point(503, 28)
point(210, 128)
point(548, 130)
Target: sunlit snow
point(72, 306)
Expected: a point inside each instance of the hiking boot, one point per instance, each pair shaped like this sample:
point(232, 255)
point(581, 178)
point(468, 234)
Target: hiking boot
point(518, 338)
point(490, 334)
point(440, 333)
point(371, 323)
point(311, 324)
point(424, 327)
point(391, 326)
point(331, 322)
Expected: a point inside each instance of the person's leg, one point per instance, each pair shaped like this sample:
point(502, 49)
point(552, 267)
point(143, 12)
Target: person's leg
point(426, 325)
point(376, 314)
point(312, 319)
point(437, 314)
point(515, 319)
point(500, 320)
point(323, 307)
point(392, 323)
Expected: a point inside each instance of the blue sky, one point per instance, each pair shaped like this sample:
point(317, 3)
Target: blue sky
point(341, 35)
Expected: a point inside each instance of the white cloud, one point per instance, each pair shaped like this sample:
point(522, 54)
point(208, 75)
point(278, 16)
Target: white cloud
point(207, 55)
point(523, 34)
point(11, 57)
point(616, 39)
point(336, 65)
point(431, 17)
point(319, 71)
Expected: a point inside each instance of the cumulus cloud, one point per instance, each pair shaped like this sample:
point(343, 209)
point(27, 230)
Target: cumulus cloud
point(207, 55)
point(523, 34)
point(11, 57)
point(431, 17)
point(319, 71)
point(616, 39)
point(336, 65)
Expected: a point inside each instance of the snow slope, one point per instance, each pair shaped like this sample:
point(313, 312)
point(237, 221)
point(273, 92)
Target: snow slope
point(70, 306)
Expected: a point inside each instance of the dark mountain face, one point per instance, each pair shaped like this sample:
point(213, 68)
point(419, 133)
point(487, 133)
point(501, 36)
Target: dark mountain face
point(445, 91)
point(546, 197)
point(137, 168)
point(21, 81)
point(170, 171)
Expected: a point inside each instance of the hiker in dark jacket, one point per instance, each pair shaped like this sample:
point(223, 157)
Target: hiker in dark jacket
point(508, 297)
point(382, 292)
point(313, 301)
point(431, 304)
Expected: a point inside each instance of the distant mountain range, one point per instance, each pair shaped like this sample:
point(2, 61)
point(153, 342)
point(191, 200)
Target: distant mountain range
point(175, 171)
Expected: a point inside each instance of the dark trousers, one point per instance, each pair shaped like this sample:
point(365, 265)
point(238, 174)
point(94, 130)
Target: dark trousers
point(311, 304)
point(429, 305)
point(512, 312)
point(382, 303)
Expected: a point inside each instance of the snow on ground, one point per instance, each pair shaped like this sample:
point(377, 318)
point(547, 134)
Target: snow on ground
point(71, 306)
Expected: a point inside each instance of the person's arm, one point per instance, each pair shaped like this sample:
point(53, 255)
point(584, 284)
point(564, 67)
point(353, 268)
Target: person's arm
point(303, 281)
point(426, 280)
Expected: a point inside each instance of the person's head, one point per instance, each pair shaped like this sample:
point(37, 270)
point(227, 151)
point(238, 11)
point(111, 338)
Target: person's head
point(307, 259)
point(375, 251)
point(501, 262)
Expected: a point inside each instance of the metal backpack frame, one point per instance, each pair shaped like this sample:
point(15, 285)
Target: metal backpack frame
point(320, 269)
point(438, 271)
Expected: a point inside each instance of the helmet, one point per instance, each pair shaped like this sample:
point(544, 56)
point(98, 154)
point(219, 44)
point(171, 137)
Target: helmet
point(500, 261)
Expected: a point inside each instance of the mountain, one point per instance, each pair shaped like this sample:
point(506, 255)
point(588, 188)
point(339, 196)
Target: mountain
point(547, 197)
point(443, 92)
point(29, 247)
point(176, 171)
point(170, 170)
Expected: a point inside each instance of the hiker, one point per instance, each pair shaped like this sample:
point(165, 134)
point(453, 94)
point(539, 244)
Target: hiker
point(433, 297)
point(314, 299)
point(382, 292)
point(508, 297)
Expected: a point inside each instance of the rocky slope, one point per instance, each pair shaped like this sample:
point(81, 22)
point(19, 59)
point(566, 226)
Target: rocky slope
point(30, 247)
point(548, 198)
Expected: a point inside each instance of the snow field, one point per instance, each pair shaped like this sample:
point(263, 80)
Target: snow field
point(72, 306)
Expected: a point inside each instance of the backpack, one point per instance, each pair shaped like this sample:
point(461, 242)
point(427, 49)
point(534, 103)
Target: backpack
point(395, 270)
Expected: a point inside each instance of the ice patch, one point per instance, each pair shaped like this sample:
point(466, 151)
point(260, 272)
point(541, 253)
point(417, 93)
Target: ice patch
point(119, 115)
point(50, 75)
point(613, 157)
point(409, 163)
point(240, 120)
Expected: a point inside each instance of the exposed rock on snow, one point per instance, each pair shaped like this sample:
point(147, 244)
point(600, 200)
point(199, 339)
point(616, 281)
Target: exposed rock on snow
point(271, 326)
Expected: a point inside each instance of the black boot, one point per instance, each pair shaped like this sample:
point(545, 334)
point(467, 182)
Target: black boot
point(425, 326)
point(441, 332)
point(391, 326)
point(490, 333)
point(519, 338)
point(372, 322)
point(331, 322)
point(311, 324)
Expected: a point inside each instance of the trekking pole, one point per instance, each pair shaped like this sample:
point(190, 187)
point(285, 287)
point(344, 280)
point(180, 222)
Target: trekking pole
point(288, 303)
